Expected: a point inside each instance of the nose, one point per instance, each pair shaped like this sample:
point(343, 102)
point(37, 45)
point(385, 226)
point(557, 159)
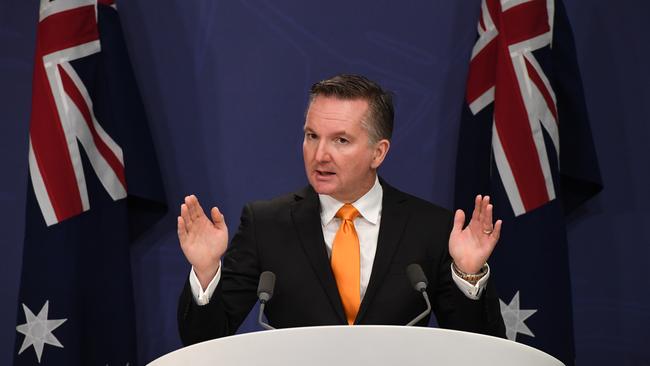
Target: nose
point(322, 152)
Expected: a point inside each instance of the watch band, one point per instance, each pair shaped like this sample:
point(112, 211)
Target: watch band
point(472, 278)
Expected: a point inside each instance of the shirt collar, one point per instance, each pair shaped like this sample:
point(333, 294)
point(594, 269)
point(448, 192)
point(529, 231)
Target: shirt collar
point(369, 205)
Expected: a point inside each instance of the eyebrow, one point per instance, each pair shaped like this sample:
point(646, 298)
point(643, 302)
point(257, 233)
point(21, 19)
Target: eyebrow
point(336, 133)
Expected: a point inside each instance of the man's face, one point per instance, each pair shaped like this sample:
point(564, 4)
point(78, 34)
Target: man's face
point(339, 161)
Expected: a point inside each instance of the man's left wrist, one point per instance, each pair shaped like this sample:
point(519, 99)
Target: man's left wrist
point(472, 278)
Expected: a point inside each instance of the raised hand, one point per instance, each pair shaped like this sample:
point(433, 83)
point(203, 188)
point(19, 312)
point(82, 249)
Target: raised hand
point(471, 247)
point(203, 241)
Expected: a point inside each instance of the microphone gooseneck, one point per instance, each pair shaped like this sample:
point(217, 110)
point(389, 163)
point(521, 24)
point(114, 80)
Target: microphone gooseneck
point(264, 294)
point(419, 283)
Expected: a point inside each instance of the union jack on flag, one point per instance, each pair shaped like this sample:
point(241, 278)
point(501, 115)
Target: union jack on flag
point(504, 71)
point(88, 136)
point(62, 114)
point(523, 80)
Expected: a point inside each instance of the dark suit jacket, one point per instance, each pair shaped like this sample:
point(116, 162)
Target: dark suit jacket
point(284, 236)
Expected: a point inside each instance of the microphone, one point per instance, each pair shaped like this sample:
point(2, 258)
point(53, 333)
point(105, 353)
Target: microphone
point(419, 282)
point(264, 294)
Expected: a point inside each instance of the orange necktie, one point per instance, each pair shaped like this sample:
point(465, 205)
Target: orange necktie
point(345, 262)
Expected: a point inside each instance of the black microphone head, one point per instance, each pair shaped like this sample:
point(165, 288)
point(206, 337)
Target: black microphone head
point(416, 275)
point(266, 285)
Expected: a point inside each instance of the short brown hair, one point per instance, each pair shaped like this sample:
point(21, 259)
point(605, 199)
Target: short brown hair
point(379, 123)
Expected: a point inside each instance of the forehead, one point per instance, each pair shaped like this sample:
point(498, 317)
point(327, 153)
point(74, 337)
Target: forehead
point(326, 113)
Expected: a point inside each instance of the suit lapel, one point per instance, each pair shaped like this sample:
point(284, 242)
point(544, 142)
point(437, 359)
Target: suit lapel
point(392, 225)
point(305, 213)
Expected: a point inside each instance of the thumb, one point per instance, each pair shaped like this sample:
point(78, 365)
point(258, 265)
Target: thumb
point(218, 219)
point(459, 221)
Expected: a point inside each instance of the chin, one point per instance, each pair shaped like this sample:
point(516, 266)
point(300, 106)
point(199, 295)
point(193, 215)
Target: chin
point(323, 188)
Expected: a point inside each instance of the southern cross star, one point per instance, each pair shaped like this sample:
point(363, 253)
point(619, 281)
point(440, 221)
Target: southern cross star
point(38, 330)
point(514, 318)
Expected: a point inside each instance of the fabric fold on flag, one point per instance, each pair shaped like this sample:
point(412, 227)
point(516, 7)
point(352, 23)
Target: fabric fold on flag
point(94, 188)
point(525, 140)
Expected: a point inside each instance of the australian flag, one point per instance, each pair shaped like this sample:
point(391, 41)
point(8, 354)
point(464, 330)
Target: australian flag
point(525, 140)
point(94, 186)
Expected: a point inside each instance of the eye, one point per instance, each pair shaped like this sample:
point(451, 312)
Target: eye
point(341, 140)
point(310, 136)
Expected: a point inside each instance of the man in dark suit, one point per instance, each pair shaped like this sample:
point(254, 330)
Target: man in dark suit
point(340, 246)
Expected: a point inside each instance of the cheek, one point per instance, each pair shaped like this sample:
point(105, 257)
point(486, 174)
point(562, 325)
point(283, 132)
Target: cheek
point(357, 165)
point(305, 152)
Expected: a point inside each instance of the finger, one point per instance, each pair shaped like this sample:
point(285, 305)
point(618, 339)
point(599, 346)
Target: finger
point(486, 218)
point(182, 231)
point(477, 207)
point(485, 201)
point(218, 218)
point(496, 234)
point(196, 211)
point(186, 202)
point(200, 212)
point(459, 221)
point(185, 215)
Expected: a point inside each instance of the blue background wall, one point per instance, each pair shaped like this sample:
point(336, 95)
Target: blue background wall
point(224, 84)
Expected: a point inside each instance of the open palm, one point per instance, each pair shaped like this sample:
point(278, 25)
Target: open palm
point(202, 240)
point(471, 247)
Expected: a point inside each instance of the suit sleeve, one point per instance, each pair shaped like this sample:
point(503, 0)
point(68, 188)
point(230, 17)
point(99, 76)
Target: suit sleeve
point(235, 294)
point(454, 310)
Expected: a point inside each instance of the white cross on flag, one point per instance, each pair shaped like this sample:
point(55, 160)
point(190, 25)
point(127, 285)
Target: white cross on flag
point(62, 114)
point(505, 72)
point(88, 136)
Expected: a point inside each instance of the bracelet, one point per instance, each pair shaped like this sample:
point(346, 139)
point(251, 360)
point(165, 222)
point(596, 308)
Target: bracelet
point(469, 277)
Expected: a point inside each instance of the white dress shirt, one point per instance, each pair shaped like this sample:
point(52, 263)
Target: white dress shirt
point(367, 227)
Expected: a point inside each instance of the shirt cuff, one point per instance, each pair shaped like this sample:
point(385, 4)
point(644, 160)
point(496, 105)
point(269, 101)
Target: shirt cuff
point(471, 291)
point(202, 297)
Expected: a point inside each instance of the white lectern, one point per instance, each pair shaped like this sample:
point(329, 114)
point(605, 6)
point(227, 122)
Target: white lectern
point(358, 345)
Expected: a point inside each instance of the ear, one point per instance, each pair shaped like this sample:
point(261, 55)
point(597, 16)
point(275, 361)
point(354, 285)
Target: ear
point(380, 150)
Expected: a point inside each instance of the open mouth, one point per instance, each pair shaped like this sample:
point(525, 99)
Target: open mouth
point(324, 173)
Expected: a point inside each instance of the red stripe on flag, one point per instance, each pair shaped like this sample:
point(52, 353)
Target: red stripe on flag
point(74, 94)
point(516, 137)
point(537, 80)
point(68, 29)
point(524, 21)
point(51, 148)
point(480, 77)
